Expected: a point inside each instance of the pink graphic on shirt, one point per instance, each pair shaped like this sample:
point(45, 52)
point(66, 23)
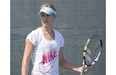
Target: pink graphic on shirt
point(48, 60)
point(48, 56)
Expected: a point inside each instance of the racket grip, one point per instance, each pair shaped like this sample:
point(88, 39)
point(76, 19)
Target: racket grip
point(82, 70)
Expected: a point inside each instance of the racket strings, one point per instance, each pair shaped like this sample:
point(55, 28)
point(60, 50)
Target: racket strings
point(92, 51)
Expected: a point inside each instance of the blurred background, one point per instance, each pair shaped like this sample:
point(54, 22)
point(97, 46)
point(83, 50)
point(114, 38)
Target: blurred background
point(77, 20)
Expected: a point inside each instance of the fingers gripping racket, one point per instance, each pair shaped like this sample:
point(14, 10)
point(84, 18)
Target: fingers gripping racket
point(92, 51)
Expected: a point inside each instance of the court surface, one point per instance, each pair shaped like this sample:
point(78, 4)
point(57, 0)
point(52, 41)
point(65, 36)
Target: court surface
point(77, 20)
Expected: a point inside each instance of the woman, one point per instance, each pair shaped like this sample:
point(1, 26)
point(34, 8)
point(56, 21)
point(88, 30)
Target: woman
point(45, 46)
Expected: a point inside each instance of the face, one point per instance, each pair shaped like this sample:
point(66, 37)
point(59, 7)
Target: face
point(47, 19)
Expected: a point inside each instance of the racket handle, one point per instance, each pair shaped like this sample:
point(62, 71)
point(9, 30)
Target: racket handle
point(82, 68)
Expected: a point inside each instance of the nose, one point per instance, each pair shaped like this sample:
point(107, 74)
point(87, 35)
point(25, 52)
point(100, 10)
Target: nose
point(46, 17)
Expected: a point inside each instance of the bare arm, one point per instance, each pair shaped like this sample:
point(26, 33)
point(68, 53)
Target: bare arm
point(63, 63)
point(26, 57)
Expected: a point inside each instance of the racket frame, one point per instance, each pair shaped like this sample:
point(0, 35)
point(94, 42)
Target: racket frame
point(84, 54)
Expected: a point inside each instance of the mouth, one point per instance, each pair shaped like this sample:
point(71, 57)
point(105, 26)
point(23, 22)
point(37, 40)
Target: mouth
point(45, 21)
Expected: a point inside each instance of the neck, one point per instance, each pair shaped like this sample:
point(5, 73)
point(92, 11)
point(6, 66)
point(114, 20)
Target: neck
point(47, 29)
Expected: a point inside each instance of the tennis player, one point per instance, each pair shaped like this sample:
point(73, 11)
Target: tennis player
point(44, 46)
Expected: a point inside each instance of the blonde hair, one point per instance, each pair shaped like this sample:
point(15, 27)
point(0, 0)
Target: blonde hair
point(48, 5)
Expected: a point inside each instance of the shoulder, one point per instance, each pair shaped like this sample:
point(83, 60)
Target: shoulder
point(59, 38)
point(37, 30)
point(58, 33)
point(34, 36)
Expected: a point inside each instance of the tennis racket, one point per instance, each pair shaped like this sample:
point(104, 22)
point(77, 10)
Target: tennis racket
point(92, 51)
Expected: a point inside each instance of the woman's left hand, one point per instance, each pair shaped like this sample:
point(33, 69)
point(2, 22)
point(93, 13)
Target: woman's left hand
point(85, 69)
